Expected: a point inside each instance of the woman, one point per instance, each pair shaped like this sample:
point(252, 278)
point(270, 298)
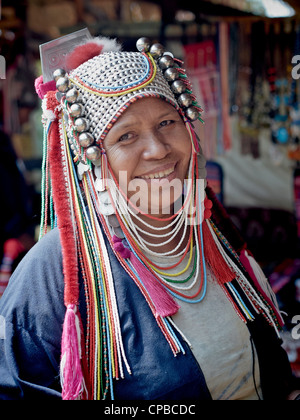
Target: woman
point(145, 290)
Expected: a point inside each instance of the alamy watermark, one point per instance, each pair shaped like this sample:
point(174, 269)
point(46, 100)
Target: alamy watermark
point(2, 67)
point(296, 68)
point(296, 329)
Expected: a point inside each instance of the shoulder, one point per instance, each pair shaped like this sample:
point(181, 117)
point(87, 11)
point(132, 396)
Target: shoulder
point(34, 295)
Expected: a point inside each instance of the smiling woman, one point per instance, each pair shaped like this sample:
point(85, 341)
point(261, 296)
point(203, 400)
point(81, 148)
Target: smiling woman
point(153, 151)
point(129, 278)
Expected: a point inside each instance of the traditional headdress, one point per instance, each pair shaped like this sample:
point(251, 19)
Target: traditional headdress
point(94, 86)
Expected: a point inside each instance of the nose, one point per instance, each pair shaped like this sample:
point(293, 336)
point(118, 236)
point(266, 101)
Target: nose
point(155, 146)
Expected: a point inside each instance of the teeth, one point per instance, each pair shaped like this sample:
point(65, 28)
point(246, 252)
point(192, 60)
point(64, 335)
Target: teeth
point(159, 174)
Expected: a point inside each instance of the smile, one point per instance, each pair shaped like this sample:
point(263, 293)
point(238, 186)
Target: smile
point(160, 174)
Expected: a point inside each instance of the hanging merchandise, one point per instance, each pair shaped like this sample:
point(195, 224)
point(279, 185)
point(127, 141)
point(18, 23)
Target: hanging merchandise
point(280, 92)
point(224, 70)
point(208, 67)
point(201, 62)
point(254, 110)
point(294, 109)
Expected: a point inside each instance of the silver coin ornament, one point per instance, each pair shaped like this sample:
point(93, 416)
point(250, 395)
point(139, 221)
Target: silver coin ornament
point(105, 204)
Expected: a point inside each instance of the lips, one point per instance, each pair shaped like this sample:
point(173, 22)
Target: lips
point(159, 173)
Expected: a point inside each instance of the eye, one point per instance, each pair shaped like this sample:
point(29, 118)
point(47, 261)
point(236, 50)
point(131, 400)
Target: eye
point(127, 136)
point(165, 123)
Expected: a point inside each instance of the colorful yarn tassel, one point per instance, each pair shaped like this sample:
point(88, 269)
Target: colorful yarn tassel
point(215, 260)
point(71, 374)
point(72, 377)
point(164, 304)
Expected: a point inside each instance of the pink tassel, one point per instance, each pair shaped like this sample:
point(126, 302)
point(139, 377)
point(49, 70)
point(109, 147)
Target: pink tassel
point(164, 304)
point(71, 372)
point(42, 88)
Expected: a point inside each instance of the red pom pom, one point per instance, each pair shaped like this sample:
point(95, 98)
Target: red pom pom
point(83, 53)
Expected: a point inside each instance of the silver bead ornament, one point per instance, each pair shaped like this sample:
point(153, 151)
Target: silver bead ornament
point(85, 139)
point(93, 153)
point(178, 87)
point(143, 44)
point(58, 73)
point(62, 84)
point(72, 95)
point(76, 110)
point(81, 124)
point(165, 62)
point(169, 53)
point(171, 74)
point(157, 50)
point(185, 100)
point(192, 113)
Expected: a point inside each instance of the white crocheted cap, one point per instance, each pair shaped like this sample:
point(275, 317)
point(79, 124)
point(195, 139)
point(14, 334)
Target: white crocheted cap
point(109, 82)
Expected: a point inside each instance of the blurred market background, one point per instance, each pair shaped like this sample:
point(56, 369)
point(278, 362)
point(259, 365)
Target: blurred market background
point(243, 58)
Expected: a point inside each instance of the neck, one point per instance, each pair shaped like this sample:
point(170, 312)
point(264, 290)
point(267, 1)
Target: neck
point(161, 230)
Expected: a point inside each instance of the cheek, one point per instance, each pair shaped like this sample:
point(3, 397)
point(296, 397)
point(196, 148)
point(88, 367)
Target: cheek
point(119, 160)
point(184, 148)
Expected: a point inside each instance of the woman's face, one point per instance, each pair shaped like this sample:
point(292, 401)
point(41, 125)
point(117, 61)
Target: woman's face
point(149, 149)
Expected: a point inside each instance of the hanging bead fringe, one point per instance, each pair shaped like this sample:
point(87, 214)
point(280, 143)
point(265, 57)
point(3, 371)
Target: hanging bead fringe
point(164, 304)
point(221, 270)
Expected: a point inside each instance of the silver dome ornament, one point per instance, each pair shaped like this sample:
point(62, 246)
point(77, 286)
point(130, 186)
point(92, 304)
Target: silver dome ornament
point(169, 53)
point(192, 113)
point(157, 50)
point(178, 87)
point(185, 100)
point(93, 153)
point(143, 44)
point(171, 74)
point(81, 124)
point(72, 95)
point(165, 62)
point(76, 110)
point(85, 139)
point(58, 73)
point(62, 84)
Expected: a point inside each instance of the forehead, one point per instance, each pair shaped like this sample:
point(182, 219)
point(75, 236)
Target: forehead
point(146, 108)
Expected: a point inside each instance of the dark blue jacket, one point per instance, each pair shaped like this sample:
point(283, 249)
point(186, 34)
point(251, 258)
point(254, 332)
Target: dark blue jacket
point(31, 318)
